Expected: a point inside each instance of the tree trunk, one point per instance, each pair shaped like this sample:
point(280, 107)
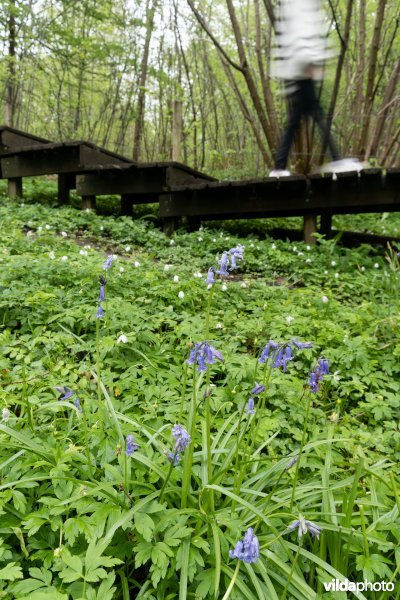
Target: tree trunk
point(360, 76)
point(387, 103)
point(369, 94)
point(137, 135)
point(11, 67)
point(251, 86)
point(344, 43)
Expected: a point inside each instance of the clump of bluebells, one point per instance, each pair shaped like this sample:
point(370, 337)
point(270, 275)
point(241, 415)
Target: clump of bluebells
point(248, 549)
point(226, 264)
point(281, 354)
point(182, 441)
point(203, 354)
point(317, 375)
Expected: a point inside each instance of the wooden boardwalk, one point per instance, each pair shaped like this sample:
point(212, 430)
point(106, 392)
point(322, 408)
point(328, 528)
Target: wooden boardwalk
point(184, 192)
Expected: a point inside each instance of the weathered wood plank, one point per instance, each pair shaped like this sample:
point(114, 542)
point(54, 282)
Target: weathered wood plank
point(144, 179)
point(66, 157)
point(351, 192)
point(12, 138)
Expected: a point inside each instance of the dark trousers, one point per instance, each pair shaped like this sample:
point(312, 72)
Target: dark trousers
point(304, 102)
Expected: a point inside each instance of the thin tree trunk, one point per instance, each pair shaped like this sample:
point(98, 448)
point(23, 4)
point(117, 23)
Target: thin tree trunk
point(142, 81)
point(247, 115)
point(265, 81)
point(344, 43)
point(11, 67)
point(387, 103)
point(373, 59)
point(360, 76)
point(251, 86)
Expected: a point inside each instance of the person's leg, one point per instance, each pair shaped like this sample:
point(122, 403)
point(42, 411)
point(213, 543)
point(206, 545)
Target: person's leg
point(314, 109)
point(294, 118)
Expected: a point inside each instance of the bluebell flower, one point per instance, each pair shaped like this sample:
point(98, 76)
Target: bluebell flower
point(247, 550)
point(203, 354)
point(223, 265)
point(210, 276)
point(100, 312)
point(102, 293)
point(316, 376)
point(174, 458)
point(301, 345)
point(193, 354)
point(182, 438)
point(108, 262)
point(257, 389)
point(211, 353)
point(303, 526)
point(227, 262)
point(281, 353)
point(250, 407)
point(77, 404)
point(131, 447)
point(292, 462)
point(324, 366)
point(68, 394)
point(266, 351)
point(66, 391)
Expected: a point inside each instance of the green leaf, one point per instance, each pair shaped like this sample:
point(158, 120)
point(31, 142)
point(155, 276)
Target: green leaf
point(144, 525)
point(11, 572)
point(372, 565)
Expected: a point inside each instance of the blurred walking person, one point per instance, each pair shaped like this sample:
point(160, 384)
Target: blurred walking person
point(301, 51)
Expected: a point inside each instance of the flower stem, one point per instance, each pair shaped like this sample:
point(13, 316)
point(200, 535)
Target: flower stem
point(283, 597)
point(208, 407)
point(232, 583)
point(85, 434)
point(303, 441)
point(171, 466)
point(98, 373)
point(187, 466)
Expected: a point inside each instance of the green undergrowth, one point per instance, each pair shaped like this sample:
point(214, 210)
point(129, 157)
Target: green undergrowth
point(82, 519)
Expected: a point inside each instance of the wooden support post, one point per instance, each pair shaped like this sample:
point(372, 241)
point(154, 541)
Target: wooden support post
point(88, 202)
point(326, 225)
point(15, 187)
point(66, 182)
point(310, 227)
point(126, 205)
point(177, 130)
point(169, 225)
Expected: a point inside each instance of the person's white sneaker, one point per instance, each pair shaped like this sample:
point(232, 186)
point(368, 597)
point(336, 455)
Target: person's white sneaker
point(344, 165)
point(279, 173)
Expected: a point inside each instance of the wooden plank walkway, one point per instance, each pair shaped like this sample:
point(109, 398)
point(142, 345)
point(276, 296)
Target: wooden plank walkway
point(11, 138)
point(371, 190)
point(65, 159)
point(184, 192)
point(138, 183)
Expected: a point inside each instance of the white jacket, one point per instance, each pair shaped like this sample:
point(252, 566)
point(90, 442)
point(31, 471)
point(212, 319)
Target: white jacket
point(301, 39)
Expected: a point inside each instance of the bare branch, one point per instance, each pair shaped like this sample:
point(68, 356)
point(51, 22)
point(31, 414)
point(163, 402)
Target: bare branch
point(204, 25)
